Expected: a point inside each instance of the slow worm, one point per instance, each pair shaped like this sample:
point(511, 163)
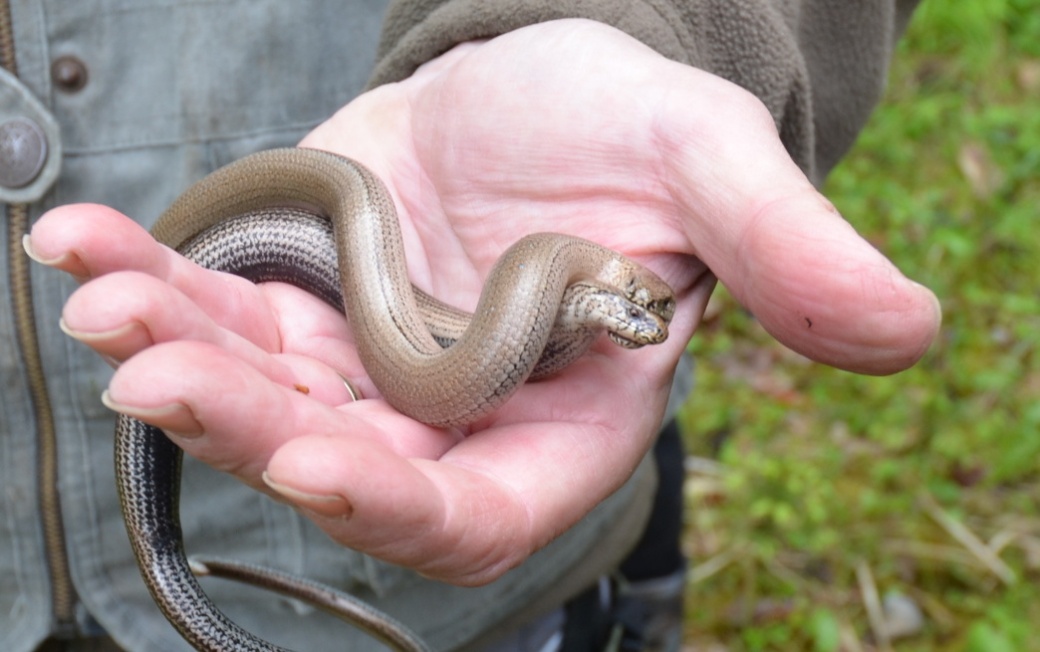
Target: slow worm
point(328, 225)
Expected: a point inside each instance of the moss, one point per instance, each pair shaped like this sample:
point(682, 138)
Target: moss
point(823, 472)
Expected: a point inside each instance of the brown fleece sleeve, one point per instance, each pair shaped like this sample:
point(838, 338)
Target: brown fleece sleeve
point(819, 66)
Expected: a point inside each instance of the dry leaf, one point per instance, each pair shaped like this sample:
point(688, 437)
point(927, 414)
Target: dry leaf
point(1028, 75)
point(978, 167)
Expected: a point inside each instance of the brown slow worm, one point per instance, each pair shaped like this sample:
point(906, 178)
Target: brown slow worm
point(327, 224)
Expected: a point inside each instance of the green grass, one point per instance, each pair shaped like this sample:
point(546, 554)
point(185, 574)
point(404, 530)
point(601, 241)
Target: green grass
point(925, 484)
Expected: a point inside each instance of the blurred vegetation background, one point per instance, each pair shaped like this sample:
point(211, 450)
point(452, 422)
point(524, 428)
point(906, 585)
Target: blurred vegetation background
point(833, 512)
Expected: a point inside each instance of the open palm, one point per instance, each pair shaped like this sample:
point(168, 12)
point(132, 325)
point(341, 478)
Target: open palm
point(569, 127)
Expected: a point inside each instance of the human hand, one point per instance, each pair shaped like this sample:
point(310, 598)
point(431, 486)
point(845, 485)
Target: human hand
point(527, 132)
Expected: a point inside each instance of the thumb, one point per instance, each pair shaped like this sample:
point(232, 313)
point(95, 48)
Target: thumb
point(786, 253)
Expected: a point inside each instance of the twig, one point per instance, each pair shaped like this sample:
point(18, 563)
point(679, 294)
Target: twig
point(713, 565)
point(875, 613)
point(968, 539)
point(849, 640)
point(932, 552)
point(1002, 540)
point(703, 466)
point(785, 574)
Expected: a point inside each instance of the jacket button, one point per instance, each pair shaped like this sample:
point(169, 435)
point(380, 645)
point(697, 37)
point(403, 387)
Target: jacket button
point(69, 74)
point(23, 151)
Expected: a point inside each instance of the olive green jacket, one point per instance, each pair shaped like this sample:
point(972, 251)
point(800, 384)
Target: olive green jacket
point(818, 65)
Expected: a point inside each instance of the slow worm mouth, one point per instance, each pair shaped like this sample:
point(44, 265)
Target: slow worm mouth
point(624, 342)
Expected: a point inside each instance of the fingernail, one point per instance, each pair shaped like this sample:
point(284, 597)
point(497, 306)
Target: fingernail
point(31, 253)
point(178, 420)
point(68, 262)
point(329, 505)
point(90, 338)
point(936, 304)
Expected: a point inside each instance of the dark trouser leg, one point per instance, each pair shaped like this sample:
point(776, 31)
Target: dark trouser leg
point(648, 608)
